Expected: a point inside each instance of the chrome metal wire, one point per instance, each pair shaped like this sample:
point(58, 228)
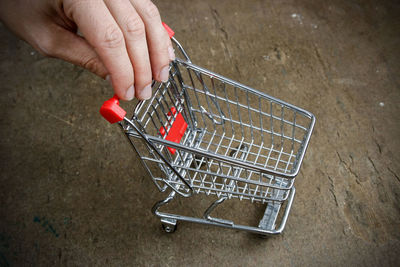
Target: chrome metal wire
point(239, 143)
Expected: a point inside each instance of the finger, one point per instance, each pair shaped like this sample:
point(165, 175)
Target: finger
point(135, 38)
point(102, 32)
point(56, 41)
point(157, 39)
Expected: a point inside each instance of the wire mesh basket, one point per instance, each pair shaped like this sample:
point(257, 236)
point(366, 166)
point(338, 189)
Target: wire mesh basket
point(203, 133)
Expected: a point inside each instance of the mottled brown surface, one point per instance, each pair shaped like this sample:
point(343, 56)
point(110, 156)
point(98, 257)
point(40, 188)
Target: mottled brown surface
point(73, 193)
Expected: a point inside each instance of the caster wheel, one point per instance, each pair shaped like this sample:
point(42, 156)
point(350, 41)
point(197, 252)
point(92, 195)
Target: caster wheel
point(168, 228)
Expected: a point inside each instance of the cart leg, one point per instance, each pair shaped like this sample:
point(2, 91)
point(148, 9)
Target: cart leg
point(270, 215)
point(168, 224)
point(268, 221)
point(267, 225)
point(208, 217)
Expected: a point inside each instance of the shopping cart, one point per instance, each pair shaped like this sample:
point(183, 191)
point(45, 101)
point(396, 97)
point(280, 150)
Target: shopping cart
point(203, 133)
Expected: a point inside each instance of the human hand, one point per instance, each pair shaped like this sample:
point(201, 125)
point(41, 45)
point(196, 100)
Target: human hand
point(124, 40)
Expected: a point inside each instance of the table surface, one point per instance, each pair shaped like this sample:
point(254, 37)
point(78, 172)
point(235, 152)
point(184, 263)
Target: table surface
point(73, 192)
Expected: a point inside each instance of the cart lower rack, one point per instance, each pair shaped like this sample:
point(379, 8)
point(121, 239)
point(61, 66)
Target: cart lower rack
point(203, 133)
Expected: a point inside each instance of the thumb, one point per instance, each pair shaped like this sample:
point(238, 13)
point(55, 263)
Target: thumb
point(63, 44)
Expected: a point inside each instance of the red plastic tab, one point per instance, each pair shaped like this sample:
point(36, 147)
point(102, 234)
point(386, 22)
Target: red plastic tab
point(176, 131)
point(169, 30)
point(111, 110)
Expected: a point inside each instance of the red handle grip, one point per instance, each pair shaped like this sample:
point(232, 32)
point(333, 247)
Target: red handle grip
point(110, 109)
point(169, 30)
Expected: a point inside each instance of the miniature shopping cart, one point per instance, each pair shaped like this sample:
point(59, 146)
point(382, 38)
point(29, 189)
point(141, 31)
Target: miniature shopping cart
point(203, 133)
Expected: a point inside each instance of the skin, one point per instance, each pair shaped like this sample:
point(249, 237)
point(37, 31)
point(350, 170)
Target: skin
point(122, 41)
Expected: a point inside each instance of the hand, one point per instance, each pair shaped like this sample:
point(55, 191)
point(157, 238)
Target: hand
point(124, 40)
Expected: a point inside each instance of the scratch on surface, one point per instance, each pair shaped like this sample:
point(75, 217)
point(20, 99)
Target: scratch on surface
point(348, 168)
point(373, 164)
point(220, 27)
point(332, 190)
point(319, 56)
point(394, 174)
point(218, 23)
point(58, 118)
point(378, 145)
point(322, 63)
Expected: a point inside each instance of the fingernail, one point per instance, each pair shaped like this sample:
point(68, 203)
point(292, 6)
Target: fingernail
point(164, 74)
point(171, 53)
point(108, 78)
point(146, 92)
point(130, 93)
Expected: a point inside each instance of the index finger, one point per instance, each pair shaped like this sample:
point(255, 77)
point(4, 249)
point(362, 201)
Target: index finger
point(103, 33)
point(160, 47)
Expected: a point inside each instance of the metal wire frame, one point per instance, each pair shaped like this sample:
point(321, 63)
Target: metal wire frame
point(240, 143)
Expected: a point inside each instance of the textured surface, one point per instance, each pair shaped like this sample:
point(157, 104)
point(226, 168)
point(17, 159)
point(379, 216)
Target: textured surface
point(73, 193)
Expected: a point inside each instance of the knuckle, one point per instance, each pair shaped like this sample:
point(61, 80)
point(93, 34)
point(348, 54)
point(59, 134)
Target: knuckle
point(112, 37)
point(92, 64)
point(135, 27)
point(43, 51)
point(151, 10)
point(46, 47)
point(70, 6)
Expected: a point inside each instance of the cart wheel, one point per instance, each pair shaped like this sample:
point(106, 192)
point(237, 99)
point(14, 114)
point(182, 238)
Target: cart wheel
point(168, 228)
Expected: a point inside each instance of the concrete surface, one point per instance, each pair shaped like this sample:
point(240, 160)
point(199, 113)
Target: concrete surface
point(73, 193)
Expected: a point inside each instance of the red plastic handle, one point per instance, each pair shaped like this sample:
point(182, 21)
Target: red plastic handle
point(110, 109)
point(176, 130)
point(169, 30)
